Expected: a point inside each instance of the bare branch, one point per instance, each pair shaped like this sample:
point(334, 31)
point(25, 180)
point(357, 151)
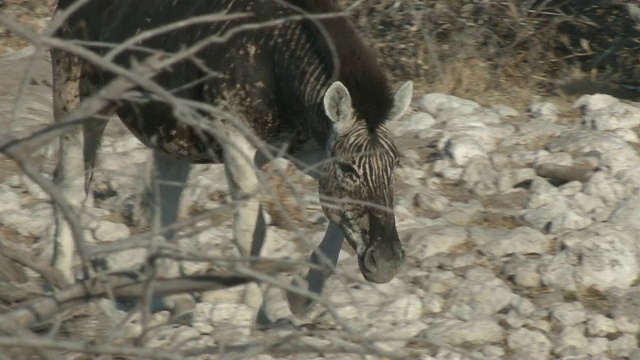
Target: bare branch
point(127, 285)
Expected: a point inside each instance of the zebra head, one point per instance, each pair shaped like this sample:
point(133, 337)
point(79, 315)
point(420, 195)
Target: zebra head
point(357, 182)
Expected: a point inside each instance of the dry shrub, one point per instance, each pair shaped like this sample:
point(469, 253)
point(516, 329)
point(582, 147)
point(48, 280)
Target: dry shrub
point(466, 47)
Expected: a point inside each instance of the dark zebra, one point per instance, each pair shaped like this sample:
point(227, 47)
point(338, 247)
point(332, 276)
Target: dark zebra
point(303, 82)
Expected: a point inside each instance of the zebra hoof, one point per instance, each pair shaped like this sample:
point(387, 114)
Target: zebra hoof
point(299, 304)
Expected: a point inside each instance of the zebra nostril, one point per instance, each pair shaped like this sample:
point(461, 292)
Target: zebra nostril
point(370, 261)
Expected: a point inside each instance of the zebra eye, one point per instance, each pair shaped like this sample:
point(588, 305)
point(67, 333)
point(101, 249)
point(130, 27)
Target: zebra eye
point(348, 169)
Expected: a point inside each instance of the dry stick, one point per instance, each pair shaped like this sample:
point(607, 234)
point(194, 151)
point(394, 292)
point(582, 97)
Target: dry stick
point(49, 273)
point(125, 285)
point(35, 342)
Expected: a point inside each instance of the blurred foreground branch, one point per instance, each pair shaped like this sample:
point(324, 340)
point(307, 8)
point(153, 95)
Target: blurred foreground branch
point(125, 285)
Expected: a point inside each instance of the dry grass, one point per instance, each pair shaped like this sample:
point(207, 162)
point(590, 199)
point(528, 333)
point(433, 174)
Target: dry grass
point(492, 51)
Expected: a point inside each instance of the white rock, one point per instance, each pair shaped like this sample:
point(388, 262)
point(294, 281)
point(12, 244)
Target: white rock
point(616, 116)
point(412, 123)
point(627, 325)
point(483, 116)
point(9, 199)
point(623, 345)
point(627, 212)
point(504, 110)
point(526, 159)
point(521, 240)
point(480, 176)
point(440, 282)
point(543, 111)
point(428, 241)
point(111, 231)
point(171, 337)
point(558, 271)
point(548, 215)
point(540, 324)
point(480, 235)
point(579, 142)
point(523, 272)
point(570, 220)
point(590, 103)
point(615, 162)
point(399, 330)
point(452, 174)
point(585, 203)
point(572, 336)
point(528, 344)
point(605, 187)
point(597, 345)
point(558, 158)
point(465, 332)
point(461, 149)
point(406, 308)
point(480, 295)
point(508, 178)
point(533, 132)
point(569, 314)
point(444, 106)
point(600, 325)
point(512, 320)
point(629, 177)
point(464, 260)
point(232, 320)
point(432, 303)
point(542, 193)
point(523, 305)
point(410, 176)
point(492, 351)
point(428, 199)
point(462, 142)
point(33, 221)
point(628, 135)
point(608, 257)
point(461, 213)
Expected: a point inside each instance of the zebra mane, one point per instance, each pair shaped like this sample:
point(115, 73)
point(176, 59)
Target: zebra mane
point(358, 68)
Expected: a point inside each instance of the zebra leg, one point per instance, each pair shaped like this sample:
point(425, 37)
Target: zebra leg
point(316, 278)
point(249, 227)
point(76, 154)
point(92, 131)
point(169, 176)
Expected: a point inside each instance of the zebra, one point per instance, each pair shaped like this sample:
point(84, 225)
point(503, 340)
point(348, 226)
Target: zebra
point(294, 72)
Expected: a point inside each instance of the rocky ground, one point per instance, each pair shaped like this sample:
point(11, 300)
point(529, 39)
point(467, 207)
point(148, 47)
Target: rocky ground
point(519, 224)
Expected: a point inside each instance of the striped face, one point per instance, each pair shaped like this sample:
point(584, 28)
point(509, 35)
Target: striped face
point(357, 187)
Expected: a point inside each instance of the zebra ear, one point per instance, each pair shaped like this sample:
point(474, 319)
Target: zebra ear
point(337, 104)
point(401, 101)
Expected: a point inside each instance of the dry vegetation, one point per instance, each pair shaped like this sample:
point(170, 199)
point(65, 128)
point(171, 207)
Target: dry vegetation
point(482, 50)
point(479, 49)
